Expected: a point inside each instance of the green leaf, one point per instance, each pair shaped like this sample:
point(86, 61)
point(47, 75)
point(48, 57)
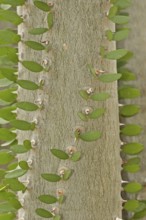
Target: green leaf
point(14, 184)
point(44, 213)
point(123, 4)
point(109, 77)
point(50, 20)
point(48, 199)
point(8, 37)
point(42, 5)
point(134, 160)
point(82, 116)
point(37, 31)
point(24, 165)
point(100, 96)
point(13, 3)
point(15, 174)
point(6, 207)
point(27, 106)
point(10, 16)
point(5, 157)
point(133, 187)
point(27, 84)
point(76, 156)
point(22, 125)
point(57, 217)
point(8, 56)
point(6, 135)
point(121, 34)
point(116, 54)
point(67, 174)
point(19, 149)
point(127, 57)
point(109, 35)
point(91, 69)
point(131, 130)
point(96, 113)
point(120, 19)
point(132, 148)
point(61, 199)
point(32, 66)
point(113, 11)
point(140, 215)
point(4, 82)
point(131, 205)
point(27, 144)
point(127, 75)
point(34, 45)
point(7, 216)
point(12, 166)
point(51, 177)
point(60, 154)
point(8, 95)
point(128, 92)
point(84, 94)
point(7, 114)
point(129, 110)
point(9, 73)
point(90, 136)
point(131, 168)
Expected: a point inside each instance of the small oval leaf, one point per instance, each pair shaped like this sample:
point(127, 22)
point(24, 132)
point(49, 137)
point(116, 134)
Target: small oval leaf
point(60, 154)
point(67, 174)
point(15, 174)
point(120, 19)
point(50, 20)
point(42, 6)
point(48, 199)
point(129, 110)
point(8, 37)
point(128, 92)
point(51, 177)
point(27, 84)
point(132, 148)
point(27, 106)
point(131, 205)
point(32, 66)
point(109, 77)
point(44, 213)
point(34, 45)
point(82, 116)
point(6, 135)
point(76, 156)
point(10, 16)
point(116, 54)
point(5, 157)
point(133, 187)
point(131, 130)
point(131, 168)
point(38, 31)
point(96, 113)
point(22, 125)
point(12, 2)
point(121, 34)
point(90, 136)
point(100, 96)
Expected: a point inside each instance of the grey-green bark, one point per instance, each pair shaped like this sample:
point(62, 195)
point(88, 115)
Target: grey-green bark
point(93, 192)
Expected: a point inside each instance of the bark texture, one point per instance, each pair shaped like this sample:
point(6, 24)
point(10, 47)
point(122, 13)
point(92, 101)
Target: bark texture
point(93, 192)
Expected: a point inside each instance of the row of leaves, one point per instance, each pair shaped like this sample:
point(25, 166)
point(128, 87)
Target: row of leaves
point(9, 82)
point(136, 207)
